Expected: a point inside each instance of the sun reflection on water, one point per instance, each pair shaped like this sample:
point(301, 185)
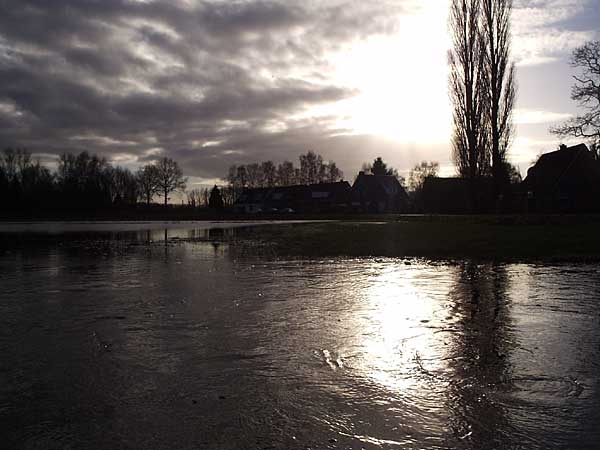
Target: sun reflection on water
point(401, 340)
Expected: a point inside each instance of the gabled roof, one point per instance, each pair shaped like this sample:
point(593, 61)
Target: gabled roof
point(379, 185)
point(568, 165)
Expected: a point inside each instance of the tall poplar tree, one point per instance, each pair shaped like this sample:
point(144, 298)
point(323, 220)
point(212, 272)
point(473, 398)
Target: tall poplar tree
point(500, 82)
point(467, 90)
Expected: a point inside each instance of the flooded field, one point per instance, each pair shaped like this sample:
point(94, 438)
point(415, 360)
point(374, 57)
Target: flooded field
point(202, 338)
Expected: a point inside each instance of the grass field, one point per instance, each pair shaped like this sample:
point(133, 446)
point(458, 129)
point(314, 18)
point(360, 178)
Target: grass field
point(556, 238)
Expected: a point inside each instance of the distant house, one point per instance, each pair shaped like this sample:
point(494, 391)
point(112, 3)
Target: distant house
point(330, 196)
point(453, 196)
point(293, 197)
point(378, 193)
point(251, 200)
point(566, 180)
point(321, 197)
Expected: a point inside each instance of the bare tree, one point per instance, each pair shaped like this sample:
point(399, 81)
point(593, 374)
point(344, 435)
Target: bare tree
point(500, 81)
point(228, 193)
point(467, 90)
point(170, 177)
point(14, 162)
point(310, 165)
point(242, 177)
point(194, 197)
point(124, 186)
point(147, 179)
point(254, 175)
point(205, 194)
point(420, 172)
point(586, 92)
point(285, 174)
point(268, 172)
point(334, 174)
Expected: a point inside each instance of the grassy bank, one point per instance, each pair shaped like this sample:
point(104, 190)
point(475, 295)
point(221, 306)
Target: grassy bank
point(555, 238)
point(502, 237)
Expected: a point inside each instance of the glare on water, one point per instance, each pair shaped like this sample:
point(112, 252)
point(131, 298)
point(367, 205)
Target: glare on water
point(205, 341)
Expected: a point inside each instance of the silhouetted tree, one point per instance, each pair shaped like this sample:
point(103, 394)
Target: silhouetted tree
point(3, 188)
point(228, 195)
point(24, 182)
point(511, 174)
point(266, 174)
point(147, 179)
point(124, 186)
point(170, 177)
point(420, 172)
point(333, 173)
point(467, 88)
point(205, 196)
point(310, 167)
point(84, 180)
point(285, 174)
point(216, 200)
point(237, 179)
point(254, 175)
point(194, 197)
point(500, 81)
point(586, 92)
point(242, 176)
point(269, 174)
point(379, 167)
point(14, 163)
point(81, 181)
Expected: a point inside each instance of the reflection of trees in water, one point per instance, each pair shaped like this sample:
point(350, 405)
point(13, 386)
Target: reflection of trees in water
point(480, 355)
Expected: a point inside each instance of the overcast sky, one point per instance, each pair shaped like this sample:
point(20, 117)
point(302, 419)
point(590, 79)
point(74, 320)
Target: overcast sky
point(215, 83)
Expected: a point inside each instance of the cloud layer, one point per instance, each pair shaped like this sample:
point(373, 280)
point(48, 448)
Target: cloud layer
point(547, 30)
point(213, 83)
point(208, 83)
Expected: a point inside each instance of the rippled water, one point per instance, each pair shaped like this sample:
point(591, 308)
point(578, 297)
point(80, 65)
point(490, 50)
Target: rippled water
point(127, 341)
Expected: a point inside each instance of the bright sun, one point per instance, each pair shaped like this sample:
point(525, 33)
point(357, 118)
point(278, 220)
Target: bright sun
point(401, 80)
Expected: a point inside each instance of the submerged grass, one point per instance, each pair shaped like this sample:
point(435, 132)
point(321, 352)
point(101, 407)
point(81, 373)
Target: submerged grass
point(554, 238)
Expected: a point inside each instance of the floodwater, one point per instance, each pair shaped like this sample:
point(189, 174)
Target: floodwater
point(122, 340)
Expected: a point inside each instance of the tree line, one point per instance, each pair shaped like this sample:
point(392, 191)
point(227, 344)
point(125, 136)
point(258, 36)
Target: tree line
point(82, 181)
point(88, 181)
point(312, 169)
point(215, 197)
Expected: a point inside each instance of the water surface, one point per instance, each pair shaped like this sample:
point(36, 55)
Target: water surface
point(122, 339)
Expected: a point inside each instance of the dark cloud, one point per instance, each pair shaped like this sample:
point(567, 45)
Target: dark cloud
point(209, 83)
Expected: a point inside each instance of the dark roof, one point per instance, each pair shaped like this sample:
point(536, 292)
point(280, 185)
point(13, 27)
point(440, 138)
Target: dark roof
point(379, 185)
point(329, 190)
point(279, 194)
point(287, 193)
point(252, 195)
point(568, 165)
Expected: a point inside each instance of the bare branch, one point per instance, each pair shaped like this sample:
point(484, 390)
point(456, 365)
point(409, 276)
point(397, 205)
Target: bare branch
point(586, 92)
